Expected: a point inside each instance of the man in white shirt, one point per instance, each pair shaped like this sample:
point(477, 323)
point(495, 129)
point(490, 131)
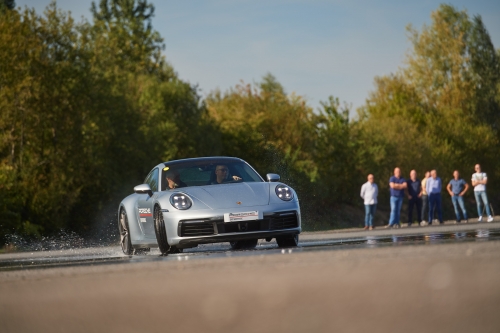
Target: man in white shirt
point(479, 181)
point(369, 193)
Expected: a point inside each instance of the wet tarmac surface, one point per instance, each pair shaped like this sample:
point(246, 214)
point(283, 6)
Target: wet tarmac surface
point(309, 242)
point(420, 279)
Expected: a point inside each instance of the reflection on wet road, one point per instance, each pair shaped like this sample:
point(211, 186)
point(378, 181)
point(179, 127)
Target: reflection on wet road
point(113, 255)
point(417, 239)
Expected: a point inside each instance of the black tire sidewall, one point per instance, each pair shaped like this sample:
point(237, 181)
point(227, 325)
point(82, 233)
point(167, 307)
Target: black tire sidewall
point(160, 231)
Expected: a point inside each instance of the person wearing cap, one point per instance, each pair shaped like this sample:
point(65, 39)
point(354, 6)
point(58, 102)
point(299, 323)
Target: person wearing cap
point(369, 193)
point(457, 188)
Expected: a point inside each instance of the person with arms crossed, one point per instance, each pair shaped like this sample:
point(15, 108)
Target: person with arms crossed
point(397, 186)
point(414, 187)
point(369, 193)
point(433, 188)
point(479, 181)
point(457, 188)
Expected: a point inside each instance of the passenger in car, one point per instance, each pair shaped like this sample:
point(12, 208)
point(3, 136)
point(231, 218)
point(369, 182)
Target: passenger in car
point(174, 179)
point(221, 175)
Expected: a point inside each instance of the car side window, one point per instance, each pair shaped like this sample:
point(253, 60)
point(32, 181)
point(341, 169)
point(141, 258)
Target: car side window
point(153, 180)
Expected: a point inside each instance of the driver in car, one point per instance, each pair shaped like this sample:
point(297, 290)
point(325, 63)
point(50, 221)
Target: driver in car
point(221, 174)
point(174, 179)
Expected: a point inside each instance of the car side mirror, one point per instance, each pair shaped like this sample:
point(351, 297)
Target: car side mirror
point(142, 189)
point(272, 177)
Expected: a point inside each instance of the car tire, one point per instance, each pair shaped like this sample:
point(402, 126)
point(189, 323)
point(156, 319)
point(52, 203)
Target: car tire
point(288, 241)
point(160, 231)
point(124, 232)
point(246, 244)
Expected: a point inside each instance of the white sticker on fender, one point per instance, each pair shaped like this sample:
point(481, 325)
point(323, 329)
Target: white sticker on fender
point(243, 216)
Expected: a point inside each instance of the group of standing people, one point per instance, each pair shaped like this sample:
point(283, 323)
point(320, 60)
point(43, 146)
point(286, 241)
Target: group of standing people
point(425, 195)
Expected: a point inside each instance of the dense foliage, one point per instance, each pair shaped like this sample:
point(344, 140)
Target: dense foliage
point(442, 110)
point(86, 109)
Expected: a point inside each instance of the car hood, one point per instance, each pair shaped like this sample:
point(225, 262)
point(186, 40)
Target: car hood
point(231, 195)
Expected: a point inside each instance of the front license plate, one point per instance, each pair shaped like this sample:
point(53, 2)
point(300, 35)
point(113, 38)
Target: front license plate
point(243, 216)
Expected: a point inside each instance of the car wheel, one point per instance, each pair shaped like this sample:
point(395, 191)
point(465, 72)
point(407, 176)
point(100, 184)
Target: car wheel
point(244, 244)
point(123, 229)
point(161, 233)
point(288, 241)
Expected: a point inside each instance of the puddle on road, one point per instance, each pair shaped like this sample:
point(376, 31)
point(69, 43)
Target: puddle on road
point(439, 237)
point(219, 250)
point(418, 239)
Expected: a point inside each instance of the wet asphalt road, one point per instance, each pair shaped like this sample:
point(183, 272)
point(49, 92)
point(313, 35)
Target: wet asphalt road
point(431, 279)
point(309, 241)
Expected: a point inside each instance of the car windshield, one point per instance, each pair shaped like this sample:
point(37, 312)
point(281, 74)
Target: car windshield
point(205, 171)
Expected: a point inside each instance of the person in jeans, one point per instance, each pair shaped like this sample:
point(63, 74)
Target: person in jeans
point(369, 193)
point(397, 186)
point(425, 197)
point(433, 188)
point(414, 187)
point(457, 188)
point(479, 181)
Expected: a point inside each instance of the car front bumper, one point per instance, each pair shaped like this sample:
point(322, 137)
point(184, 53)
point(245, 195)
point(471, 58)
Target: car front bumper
point(201, 227)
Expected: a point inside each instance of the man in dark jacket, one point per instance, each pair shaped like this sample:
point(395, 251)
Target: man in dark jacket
point(414, 188)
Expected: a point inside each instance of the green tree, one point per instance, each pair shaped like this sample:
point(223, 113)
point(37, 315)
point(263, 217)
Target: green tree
point(267, 127)
point(336, 163)
point(454, 66)
point(40, 91)
point(485, 63)
point(440, 111)
point(80, 126)
point(122, 31)
point(7, 4)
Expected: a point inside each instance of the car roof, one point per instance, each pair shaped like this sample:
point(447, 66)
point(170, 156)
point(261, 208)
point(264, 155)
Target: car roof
point(207, 159)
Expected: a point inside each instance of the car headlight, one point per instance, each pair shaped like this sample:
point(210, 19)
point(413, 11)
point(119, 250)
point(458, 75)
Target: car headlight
point(180, 201)
point(284, 192)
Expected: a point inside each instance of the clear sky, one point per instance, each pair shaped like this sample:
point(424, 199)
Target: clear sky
point(315, 48)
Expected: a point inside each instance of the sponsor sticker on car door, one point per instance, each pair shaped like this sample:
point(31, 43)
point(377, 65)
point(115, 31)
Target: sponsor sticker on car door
point(144, 213)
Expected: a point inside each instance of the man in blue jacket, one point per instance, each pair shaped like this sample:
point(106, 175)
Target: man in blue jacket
point(414, 197)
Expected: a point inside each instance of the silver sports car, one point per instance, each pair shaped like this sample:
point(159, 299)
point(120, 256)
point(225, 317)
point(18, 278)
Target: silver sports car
point(188, 202)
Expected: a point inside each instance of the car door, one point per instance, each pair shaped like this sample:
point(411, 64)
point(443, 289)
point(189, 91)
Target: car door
point(145, 205)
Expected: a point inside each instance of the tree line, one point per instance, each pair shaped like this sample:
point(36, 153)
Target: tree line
point(87, 108)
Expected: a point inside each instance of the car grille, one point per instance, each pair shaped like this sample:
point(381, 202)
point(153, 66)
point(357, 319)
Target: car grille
point(194, 228)
point(283, 221)
point(277, 221)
